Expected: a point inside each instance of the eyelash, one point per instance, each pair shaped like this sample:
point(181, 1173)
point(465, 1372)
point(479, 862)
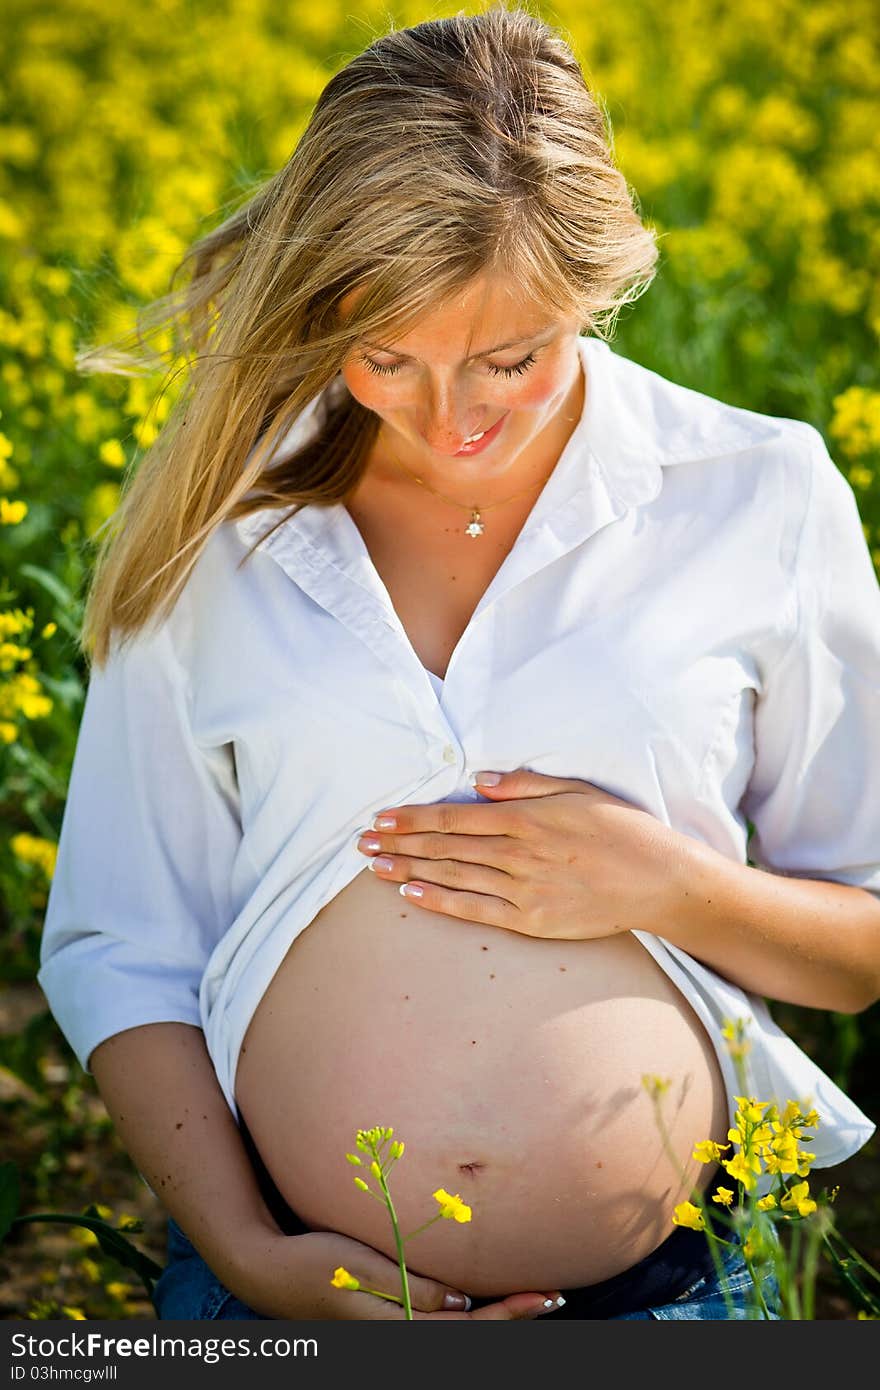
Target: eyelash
point(516, 370)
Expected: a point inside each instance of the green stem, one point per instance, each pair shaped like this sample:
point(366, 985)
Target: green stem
point(795, 1301)
point(853, 1286)
point(854, 1255)
point(419, 1229)
point(392, 1297)
point(712, 1239)
point(398, 1240)
point(753, 1275)
point(810, 1268)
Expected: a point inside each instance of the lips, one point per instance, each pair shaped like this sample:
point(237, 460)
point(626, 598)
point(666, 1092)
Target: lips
point(476, 445)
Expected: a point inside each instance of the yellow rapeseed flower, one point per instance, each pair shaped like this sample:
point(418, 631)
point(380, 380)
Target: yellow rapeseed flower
point(452, 1207)
point(724, 1196)
point(798, 1198)
point(343, 1280)
point(708, 1152)
point(750, 1109)
point(754, 1246)
point(740, 1168)
point(861, 477)
point(686, 1214)
point(21, 694)
point(11, 513)
point(655, 1085)
point(33, 849)
point(14, 622)
point(83, 1236)
point(733, 1032)
point(112, 453)
point(766, 1203)
point(783, 1154)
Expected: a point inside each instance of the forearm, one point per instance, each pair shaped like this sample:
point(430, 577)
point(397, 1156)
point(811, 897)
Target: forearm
point(160, 1089)
point(799, 940)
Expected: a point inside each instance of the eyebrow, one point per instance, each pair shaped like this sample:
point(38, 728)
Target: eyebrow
point(501, 347)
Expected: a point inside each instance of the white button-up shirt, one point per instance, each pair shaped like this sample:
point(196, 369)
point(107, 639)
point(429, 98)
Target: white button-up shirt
point(689, 619)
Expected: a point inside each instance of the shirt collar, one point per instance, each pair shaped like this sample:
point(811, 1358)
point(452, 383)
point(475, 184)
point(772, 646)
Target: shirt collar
point(634, 424)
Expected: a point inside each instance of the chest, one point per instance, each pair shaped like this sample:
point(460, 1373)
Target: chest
point(628, 657)
point(434, 572)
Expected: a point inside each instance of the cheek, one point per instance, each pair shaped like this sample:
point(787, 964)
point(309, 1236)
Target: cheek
point(536, 390)
point(369, 390)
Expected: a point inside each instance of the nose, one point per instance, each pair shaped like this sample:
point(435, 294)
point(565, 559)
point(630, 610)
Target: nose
point(448, 421)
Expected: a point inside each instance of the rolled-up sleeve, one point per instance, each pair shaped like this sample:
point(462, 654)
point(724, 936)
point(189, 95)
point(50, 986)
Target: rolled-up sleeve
point(814, 793)
point(140, 893)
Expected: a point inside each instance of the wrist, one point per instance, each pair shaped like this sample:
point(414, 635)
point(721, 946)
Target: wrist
point(253, 1248)
point(693, 877)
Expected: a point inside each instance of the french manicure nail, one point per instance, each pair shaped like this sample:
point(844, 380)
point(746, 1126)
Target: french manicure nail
point(484, 779)
point(457, 1302)
point(381, 861)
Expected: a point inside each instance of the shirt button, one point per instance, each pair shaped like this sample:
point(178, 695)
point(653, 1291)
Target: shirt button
point(449, 754)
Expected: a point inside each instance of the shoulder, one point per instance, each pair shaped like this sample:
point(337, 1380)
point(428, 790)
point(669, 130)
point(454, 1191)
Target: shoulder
point(710, 449)
point(681, 424)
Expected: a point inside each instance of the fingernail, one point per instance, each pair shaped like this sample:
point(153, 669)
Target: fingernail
point(411, 890)
point(484, 779)
point(552, 1303)
point(381, 861)
point(457, 1302)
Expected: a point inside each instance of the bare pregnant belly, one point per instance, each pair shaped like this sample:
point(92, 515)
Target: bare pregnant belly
point(510, 1066)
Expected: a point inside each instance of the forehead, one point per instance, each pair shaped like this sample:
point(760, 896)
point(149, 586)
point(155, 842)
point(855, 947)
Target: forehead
point(488, 311)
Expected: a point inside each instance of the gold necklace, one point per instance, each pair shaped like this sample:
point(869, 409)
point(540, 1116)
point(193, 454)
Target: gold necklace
point(475, 526)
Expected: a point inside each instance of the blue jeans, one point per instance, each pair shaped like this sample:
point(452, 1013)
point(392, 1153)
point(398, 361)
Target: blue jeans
point(187, 1289)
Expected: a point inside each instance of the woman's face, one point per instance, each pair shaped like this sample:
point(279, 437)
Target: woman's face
point(485, 356)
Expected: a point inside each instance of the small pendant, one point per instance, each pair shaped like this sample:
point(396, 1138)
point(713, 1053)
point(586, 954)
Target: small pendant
point(475, 527)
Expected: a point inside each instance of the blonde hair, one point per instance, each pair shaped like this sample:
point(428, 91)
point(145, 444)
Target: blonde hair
point(455, 148)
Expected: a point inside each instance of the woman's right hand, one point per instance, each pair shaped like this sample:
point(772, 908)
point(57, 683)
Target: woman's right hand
point(290, 1277)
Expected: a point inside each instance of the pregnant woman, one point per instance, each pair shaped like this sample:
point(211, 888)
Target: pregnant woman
point(441, 657)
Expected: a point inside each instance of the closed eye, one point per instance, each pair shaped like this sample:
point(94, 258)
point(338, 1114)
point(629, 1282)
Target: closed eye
point(516, 369)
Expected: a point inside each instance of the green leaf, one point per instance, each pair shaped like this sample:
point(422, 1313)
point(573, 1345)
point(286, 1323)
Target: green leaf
point(51, 583)
point(111, 1241)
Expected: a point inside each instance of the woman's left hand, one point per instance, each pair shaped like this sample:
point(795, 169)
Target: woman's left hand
point(550, 856)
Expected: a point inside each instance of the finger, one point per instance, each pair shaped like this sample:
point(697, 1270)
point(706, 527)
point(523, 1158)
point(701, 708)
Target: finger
point(517, 1306)
point(428, 1296)
point(444, 873)
point(496, 851)
point(438, 1300)
point(453, 818)
point(482, 908)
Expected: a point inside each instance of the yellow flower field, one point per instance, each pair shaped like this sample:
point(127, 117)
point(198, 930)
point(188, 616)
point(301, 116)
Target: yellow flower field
point(749, 132)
